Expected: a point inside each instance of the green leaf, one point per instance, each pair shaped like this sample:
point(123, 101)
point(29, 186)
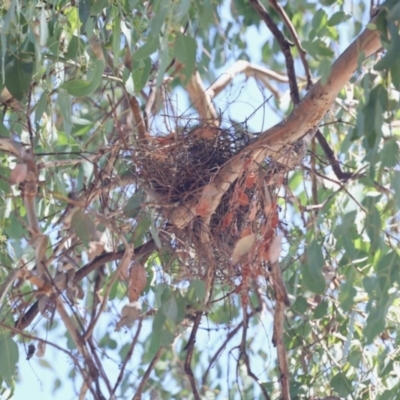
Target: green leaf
point(319, 19)
point(321, 310)
point(65, 106)
point(375, 324)
point(159, 18)
point(9, 357)
point(41, 107)
point(390, 153)
point(185, 49)
point(134, 204)
point(116, 41)
point(80, 88)
point(341, 385)
point(18, 74)
point(170, 308)
point(147, 49)
point(394, 13)
point(396, 187)
point(337, 18)
point(313, 278)
point(84, 10)
point(140, 73)
point(97, 6)
point(393, 52)
point(83, 226)
point(373, 224)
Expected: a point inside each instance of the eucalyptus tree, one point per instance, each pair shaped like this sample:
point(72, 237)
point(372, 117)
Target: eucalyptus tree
point(169, 242)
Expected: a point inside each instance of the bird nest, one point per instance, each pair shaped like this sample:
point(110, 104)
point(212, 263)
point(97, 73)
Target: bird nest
point(175, 168)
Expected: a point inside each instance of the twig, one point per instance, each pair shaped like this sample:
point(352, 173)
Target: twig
point(71, 328)
point(127, 358)
point(245, 357)
point(230, 335)
point(137, 116)
point(302, 53)
point(292, 78)
point(334, 162)
point(138, 394)
point(188, 360)
point(282, 301)
point(284, 45)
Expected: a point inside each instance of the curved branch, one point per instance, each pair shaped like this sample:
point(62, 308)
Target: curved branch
point(244, 67)
point(304, 118)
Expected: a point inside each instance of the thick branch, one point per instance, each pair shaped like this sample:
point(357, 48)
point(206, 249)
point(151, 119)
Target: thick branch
point(304, 118)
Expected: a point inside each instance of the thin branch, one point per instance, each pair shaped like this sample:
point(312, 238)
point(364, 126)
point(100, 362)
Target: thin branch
point(333, 161)
point(137, 116)
point(188, 360)
point(302, 53)
point(292, 78)
point(93, 373)
point(127, 358)
point(139, 391)
point(230, 335)
point(245, 357)
point(282, 301)
point(284, 45)
point(244, 67)
point(200, 99)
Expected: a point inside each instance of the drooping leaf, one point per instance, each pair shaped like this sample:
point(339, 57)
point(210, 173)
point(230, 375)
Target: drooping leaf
point(79, 87)
point(185, 49)
point(83, 226)
point(9, 358)
point(313, 278)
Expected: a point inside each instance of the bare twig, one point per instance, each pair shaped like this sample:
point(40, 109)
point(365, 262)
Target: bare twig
point(284, 45)
point(139, 391)
point(127, 358)
point(282, 301)
point(92, 374)
point(245, 357)
point(286, 20)
point(244, 67)
point(188, 359)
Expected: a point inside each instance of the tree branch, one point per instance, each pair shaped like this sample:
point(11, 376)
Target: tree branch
point(304, 118)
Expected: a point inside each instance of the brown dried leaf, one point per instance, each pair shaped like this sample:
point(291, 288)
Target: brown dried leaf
point(129, 314)
point(137, 282)
point(246, 231)
point(250, 180)
point(123, 266)
point(243, 199)
point(253, 211)
point(95, 249)
point(18, 174)
point(227, 220)
point(243, 247)
point(46, 307)
point(41, 350)
point(275, 248)
point(202, 207)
